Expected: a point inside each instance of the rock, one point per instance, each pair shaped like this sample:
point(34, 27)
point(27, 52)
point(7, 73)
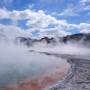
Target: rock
point(78, 77)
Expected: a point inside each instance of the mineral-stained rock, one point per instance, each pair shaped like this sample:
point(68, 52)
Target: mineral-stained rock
point(78, 77)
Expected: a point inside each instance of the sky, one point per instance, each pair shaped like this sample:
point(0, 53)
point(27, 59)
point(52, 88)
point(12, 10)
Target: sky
point(45, 17)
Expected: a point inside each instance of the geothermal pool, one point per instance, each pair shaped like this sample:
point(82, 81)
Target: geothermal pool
point(24, 70)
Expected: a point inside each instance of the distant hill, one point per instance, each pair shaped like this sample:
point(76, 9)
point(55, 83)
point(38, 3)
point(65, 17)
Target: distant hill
point(80, 38)
point(30, 42)
point(77, 37)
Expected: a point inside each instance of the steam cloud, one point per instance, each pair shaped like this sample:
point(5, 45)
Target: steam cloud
point(17, 63)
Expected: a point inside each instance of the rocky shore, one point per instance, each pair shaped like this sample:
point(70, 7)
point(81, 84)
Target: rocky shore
point(78, 77)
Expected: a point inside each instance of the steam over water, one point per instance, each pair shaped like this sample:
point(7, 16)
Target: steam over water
point(18, 64)
point(73, 49)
